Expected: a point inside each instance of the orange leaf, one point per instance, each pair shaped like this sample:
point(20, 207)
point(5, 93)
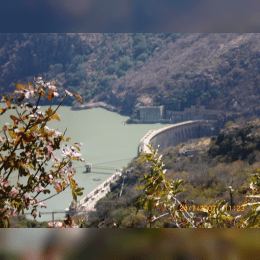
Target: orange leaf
point(78, 97)
point(50, 96)
point(20, 85)
point(10, 133)
point(21, 145)
point(28, 84)
point(51, 133)
point(55, 116)
point(8, 104)
point(14, 118)
point(67, 139)
point(58, 189)
point(2, 111)
point(43, 94)
point(30, 138)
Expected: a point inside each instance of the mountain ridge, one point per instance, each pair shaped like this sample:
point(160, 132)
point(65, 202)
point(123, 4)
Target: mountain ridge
point(124, 71)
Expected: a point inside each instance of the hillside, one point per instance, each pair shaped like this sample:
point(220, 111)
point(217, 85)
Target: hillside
point(209, 170)
point(209, 166)
point(124, 71)
point(86, 63)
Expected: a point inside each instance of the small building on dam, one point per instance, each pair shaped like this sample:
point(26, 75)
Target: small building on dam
point(158, 114)
point(151, 114)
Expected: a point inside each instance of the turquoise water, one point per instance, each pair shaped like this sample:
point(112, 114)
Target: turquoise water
point(105, 140)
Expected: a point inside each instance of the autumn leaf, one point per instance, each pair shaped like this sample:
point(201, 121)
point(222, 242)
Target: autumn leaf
point(67, 139)
point(49, 111)
point(8, 104)
point(21, 97)
point(20, 85)
point(50, 96)
point(55, 116)
point(2, 111)
point(14, 118)
point(20, 164)
point(30, 138)
point(77, 147)
point(10, 133)
point(28, 84)
point(51, 133)
point(78, 97)
point(58, 189)
point(21, 145)
point(74, 196)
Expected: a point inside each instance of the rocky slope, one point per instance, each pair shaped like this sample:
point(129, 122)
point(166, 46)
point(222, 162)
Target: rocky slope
point(237, 142)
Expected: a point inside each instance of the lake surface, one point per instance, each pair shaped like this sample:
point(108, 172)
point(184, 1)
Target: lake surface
point(106, 141)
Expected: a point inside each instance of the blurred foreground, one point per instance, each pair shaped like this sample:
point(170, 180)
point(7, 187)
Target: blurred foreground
point(129, 244)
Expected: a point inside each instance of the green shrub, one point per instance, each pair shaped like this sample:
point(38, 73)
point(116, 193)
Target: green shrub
point(125, 63)
point(112, 68)
point(142, 57)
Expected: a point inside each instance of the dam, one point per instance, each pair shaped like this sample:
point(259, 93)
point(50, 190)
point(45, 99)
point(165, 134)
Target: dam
point(89, 201)
point(178, 133)
point(167, 136)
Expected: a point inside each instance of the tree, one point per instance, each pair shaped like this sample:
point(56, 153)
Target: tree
point(125, 63)
point(30, 146)
point(161, 193)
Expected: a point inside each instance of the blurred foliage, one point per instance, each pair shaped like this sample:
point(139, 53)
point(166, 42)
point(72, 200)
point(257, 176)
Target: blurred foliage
point(145, 244)
point(23, 222)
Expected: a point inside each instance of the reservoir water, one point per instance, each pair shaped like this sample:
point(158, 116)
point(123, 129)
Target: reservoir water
point(105, 140)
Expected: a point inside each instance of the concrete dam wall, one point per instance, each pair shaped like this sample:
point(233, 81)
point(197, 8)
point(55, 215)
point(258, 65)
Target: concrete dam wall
point(178, 133)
